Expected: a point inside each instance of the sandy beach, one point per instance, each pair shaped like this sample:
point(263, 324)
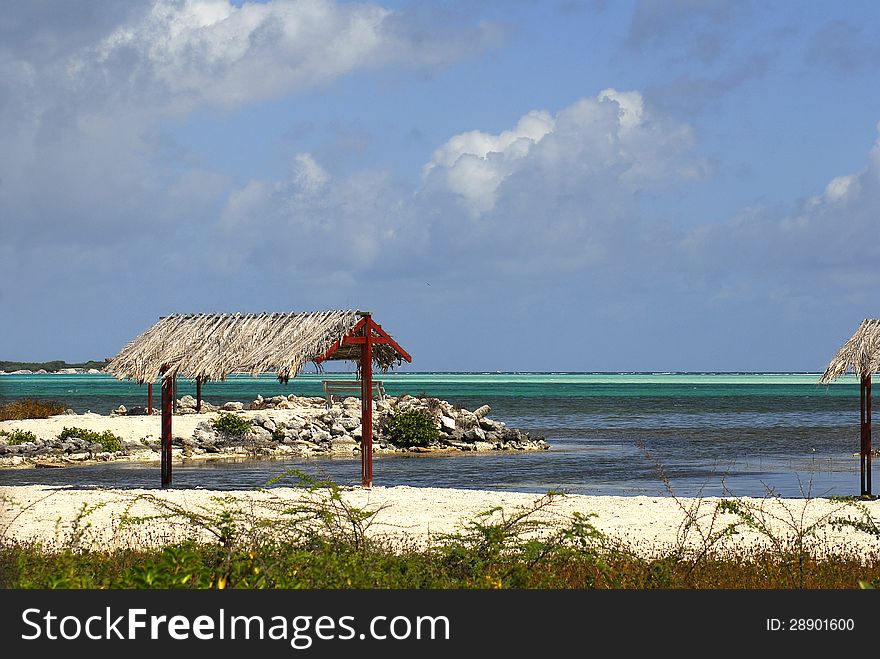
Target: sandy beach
point(418, 516)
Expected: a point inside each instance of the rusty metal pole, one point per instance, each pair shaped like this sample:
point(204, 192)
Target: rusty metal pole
point(167, 397)
point(198, 394)
point(149, 398)
point(862, 433)
point(868, 434)
point(367, 406)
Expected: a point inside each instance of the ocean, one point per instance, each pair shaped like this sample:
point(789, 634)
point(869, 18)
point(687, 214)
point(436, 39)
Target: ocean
point(656, 434)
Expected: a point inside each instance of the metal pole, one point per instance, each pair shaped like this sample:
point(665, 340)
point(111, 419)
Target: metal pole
point(198, 394)
point(167, 396)
point(149, 398)
point(868, 434)
point(862, 433)
point(367, 406)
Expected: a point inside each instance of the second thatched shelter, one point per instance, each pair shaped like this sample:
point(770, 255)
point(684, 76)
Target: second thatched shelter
point(861, 355)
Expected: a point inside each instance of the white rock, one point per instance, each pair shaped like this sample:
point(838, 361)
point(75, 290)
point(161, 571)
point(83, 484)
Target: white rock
point(482, 411)
point(320, 436)
point(447, 423)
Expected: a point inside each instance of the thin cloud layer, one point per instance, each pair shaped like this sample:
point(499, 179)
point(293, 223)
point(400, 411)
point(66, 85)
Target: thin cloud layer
point(553, 190)
point(84, 155)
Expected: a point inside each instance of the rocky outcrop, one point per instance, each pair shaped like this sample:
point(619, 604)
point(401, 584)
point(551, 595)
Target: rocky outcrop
point(306, 426)
point(291, 426)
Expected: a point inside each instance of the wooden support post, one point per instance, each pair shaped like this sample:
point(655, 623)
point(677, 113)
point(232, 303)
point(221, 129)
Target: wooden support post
point(174, 393)
point(149, 398)
point(167, 396)
point(868, 434)
point(198, 394)
point(367, 405)
point(862, 483)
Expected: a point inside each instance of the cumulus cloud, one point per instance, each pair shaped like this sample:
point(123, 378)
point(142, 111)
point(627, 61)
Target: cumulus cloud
point(311, 222)
point(84, 91)
point(817, 253)
point(190, 52)
point(561, 190)
point(606, 146)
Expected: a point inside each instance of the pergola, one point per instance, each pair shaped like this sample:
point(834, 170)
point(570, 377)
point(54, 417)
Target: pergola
point(861, 355)
point(204, 347)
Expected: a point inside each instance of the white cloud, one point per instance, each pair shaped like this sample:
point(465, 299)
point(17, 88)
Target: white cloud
point(310, 177)
point(554, 192)
point(82, 106)
point(184, 53)
point(841, 187)
point(606, 144)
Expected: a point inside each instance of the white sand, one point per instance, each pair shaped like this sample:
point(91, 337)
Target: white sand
point(405, 515)
point(419, 515)
point(130, 428)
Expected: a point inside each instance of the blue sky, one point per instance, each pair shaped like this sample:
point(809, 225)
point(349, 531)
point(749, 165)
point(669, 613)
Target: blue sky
point(643, 185)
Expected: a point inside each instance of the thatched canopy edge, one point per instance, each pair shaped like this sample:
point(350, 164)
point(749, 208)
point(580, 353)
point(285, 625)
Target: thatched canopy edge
point(860, 354)
point(214, 346)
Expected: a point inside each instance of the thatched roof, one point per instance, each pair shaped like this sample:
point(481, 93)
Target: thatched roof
point(861, 354)
point(213, 346)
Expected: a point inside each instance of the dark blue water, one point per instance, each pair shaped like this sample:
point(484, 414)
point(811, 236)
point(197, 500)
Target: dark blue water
point(711, 434)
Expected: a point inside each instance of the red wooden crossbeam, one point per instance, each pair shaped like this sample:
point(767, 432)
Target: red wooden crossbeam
point(366, 333)
point(351, 339)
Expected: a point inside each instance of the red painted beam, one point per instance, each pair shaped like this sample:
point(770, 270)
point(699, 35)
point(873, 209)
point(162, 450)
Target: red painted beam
point(367, 410)
point(336, 344)
point(862, 434)
point(868, 435)
point(389, 341)
point(167, 403)
point(351, 339)
point(150, 398)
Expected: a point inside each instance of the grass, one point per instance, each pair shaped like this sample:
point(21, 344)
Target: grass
point(321, 541)
point(29, 408)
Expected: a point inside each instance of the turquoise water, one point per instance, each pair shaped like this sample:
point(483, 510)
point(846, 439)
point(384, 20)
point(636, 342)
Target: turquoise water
point(709, 433)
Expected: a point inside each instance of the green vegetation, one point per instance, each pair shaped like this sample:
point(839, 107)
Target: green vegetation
point(321, 541)
point(232, 424)
point(107, 439)
point(412, 428)
point(30, 408)
point(15, 437)
point(55, 365)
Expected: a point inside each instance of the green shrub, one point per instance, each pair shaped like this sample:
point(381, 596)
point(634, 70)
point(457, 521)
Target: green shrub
point(232, 424)
point(15, 437)
point(29, 408)
point(278, 433)
point(107, 439)
point(412, 428)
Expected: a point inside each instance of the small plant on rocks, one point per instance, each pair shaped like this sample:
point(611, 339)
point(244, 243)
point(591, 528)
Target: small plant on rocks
point(414, 427)
point(232, 424)
point(16, 437)
point(106, 439)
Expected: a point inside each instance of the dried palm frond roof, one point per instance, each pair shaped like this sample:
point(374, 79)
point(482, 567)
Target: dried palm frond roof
point(213, 346)
point(861, 354)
